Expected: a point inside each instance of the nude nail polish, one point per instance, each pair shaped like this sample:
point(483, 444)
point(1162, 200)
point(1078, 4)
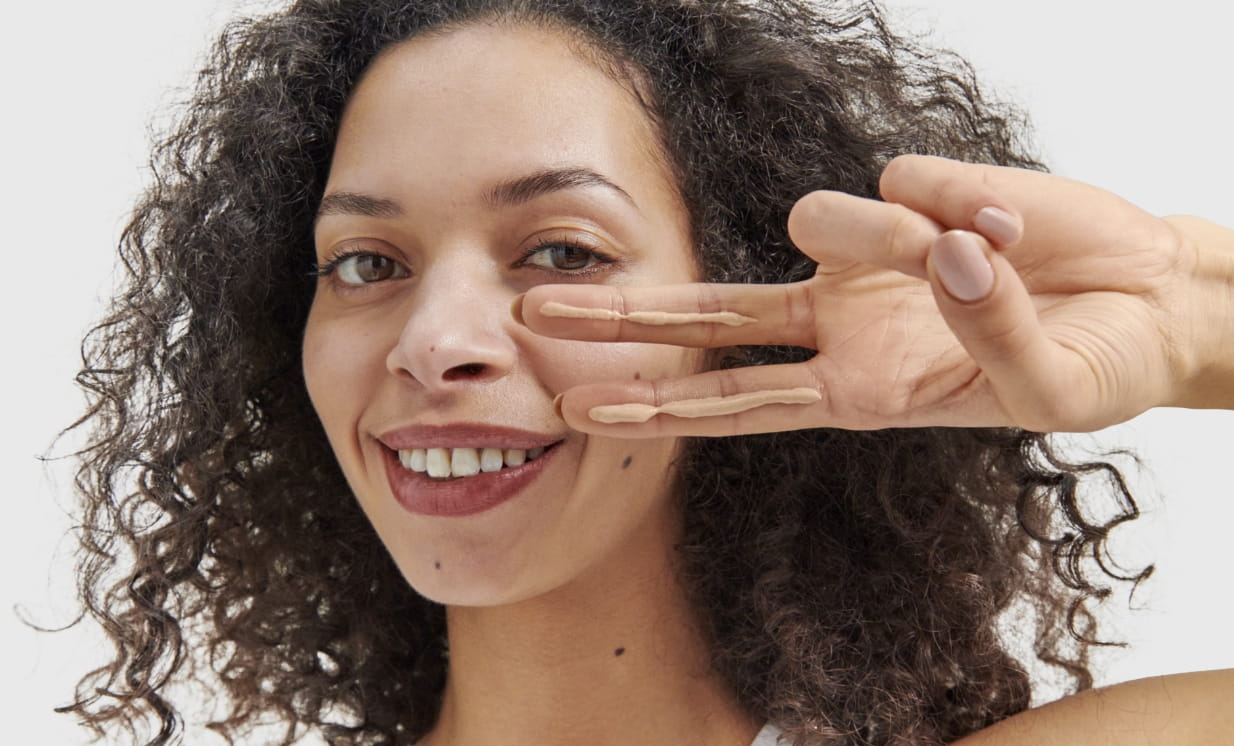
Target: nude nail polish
point(998, 226)
point(962, 266)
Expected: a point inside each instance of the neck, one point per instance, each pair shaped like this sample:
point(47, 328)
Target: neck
point(612, 659)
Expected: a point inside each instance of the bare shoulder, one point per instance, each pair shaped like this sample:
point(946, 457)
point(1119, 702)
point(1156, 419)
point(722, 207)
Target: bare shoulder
point(1189, 709)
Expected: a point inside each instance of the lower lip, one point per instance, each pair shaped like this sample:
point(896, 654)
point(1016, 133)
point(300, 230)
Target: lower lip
point(421, 494)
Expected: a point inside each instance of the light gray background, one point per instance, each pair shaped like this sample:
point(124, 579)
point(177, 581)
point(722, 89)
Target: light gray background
point(1131, 96)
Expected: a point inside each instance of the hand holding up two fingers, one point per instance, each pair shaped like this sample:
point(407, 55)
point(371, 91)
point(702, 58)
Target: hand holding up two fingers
point(972, 296)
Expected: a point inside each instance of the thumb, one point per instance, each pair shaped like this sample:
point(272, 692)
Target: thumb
point(985, 303)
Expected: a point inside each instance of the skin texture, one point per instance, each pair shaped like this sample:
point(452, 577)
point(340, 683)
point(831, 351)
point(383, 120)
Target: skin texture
point(1208, 319)
point(1189, 709)
point(438, 346)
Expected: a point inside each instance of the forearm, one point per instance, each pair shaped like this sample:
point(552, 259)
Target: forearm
point(1208, 375)
point(1191, 709)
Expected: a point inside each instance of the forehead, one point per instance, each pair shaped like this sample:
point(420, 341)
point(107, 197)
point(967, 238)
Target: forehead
point(491, 100)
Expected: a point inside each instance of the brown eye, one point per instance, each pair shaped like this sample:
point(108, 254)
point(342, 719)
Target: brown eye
point(569, 257)
point(362, 269)
point(565, 257)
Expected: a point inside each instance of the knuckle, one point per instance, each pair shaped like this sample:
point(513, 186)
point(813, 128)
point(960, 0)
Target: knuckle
point(799, 307)
point(949, 190)
point(709, 301)
point(659, 395)
point(620, 328)
point(959, 196)
point(905, 243)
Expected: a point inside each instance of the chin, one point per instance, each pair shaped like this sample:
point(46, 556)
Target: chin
point(468, 592)
point(470, 582)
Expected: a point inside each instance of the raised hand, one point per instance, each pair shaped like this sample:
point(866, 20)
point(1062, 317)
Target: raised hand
point(973, 296)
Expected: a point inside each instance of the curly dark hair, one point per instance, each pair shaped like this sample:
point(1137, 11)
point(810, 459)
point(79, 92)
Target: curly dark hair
point(851, 584)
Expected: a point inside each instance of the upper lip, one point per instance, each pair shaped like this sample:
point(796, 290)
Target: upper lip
point(465, 435)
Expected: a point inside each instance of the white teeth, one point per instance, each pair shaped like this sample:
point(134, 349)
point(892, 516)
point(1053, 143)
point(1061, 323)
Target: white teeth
point(439, 463)
point(415, 459)
point(443, 463)
point(490, 459)
point(465, 462)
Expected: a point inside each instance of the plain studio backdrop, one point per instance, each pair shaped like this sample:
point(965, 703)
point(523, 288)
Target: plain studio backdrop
point(1131, 96)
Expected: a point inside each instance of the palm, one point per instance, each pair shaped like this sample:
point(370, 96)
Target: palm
point(887, 356)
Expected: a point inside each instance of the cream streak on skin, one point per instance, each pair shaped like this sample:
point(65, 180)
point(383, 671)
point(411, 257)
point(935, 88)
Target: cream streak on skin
point(711, 406)
point(650, 318)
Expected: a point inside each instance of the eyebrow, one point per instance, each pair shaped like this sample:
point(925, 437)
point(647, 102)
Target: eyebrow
point(526, 188)
point(508, 193)
point(353, 203)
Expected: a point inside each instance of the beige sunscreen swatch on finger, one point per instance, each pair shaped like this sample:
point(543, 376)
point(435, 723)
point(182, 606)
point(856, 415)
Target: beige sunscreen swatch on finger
point(650, 318)
point(711, 406)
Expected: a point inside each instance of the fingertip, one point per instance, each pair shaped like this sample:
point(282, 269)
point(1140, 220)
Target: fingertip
point(516, 309)
point(802, 216)
point(962, 267)
point(999, 226)
point(894, 169)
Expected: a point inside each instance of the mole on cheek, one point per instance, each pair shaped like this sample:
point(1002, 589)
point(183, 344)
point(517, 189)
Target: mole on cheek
point(619, 651)
point(626, 464)
point(638, 376)
point(437, 565)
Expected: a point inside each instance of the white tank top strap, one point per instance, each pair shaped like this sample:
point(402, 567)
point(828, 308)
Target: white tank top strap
point(768, 736)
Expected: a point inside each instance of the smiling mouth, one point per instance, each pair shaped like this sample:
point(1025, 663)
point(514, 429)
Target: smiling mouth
point(451, 464)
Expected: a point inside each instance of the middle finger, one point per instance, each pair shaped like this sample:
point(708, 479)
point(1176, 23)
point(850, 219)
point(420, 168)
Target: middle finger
point(690, 315)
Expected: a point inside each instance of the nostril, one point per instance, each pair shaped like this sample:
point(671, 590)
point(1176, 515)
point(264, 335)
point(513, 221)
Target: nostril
point(459, 372)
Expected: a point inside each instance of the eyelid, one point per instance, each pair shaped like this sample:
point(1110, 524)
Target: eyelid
point(604, 260)
point(334, 258)
point(328, 269)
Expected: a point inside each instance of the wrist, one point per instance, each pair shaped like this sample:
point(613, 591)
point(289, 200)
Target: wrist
point(1206, 380)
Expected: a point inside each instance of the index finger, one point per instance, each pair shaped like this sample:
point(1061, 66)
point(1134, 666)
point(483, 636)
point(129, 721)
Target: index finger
point(690, 315)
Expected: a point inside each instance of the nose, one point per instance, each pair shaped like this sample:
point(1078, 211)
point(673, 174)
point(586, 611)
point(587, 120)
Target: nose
point(454, 336)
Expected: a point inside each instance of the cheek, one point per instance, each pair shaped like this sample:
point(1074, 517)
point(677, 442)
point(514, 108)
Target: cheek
point(562, 364)
point(339, 365)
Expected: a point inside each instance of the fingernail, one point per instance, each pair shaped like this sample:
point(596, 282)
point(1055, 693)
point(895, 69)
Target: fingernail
point(516, 309)
point(999, 226)
point(962, 266)
point(557, 405)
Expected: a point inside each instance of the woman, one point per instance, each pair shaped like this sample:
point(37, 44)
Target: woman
point(447, 162)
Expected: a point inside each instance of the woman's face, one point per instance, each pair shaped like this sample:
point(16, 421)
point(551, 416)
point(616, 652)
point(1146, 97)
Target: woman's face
point(470, 167)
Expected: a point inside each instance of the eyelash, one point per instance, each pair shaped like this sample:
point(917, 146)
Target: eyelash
point(602, 259)
point(330, 267)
